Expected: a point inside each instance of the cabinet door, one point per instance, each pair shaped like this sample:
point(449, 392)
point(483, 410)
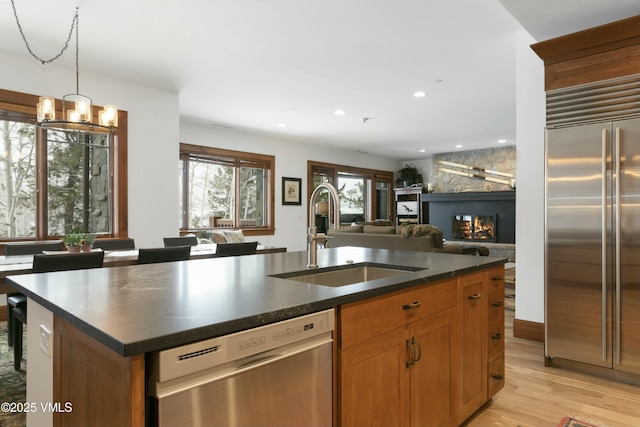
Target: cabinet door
point(375, 381)
point(473, 356)
point(432, 388)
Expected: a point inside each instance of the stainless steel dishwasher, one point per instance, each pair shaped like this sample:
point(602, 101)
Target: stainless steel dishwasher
point(274, 375)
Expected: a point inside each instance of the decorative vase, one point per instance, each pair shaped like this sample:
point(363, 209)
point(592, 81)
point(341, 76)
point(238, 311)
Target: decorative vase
point(86, 248)
point(73, 248)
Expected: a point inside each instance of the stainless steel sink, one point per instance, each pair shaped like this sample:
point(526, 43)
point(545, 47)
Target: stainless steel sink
point(347, 275)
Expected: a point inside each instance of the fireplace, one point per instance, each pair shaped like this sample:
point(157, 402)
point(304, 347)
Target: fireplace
point(442, 207)
point(475, 227)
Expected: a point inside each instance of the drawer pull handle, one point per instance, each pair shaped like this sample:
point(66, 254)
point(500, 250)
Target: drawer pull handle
point(497, 304)
point(497, 377)
point(496, 278)
point(416, 304)
point(497, 336)
point(473, 297)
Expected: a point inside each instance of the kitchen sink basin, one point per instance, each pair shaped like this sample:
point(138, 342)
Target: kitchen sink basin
point(347, 275)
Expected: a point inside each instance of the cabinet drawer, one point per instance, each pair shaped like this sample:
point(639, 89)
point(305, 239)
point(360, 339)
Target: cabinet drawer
point(495, 278)
point(364, 319)
point(495, 303)
point(495, 336)
point(496, 374)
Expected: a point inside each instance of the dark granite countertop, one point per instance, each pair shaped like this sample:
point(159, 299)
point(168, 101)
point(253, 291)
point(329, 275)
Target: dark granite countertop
point(142, 308)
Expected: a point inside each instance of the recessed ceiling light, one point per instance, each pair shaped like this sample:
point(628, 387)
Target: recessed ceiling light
point(502, 141)
point(422, 150)
point(339, 113)
point(420, 94)
point(282, 125)
point(459, 146)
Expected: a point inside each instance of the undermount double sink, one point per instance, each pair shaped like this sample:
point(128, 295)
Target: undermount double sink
point(348, 274)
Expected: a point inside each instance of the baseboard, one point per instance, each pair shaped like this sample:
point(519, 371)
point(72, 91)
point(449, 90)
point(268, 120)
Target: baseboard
point(533, 331)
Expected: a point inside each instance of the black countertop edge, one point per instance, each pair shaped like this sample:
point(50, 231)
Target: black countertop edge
point(240, 324)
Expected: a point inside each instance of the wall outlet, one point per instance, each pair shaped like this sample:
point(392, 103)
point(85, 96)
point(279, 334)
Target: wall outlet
point(46, 340)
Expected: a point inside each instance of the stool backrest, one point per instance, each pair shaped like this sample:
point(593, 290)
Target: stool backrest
point(31, 248)
point(236, 249)
point(115, 244)
point(172, 253)
point(73, 261)
point(180, 241)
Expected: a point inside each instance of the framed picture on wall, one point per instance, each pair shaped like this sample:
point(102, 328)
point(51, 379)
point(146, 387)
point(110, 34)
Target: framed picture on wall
point(291, 191)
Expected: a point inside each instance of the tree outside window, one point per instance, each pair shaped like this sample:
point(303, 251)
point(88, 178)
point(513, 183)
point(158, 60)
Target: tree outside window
point(226, 189)
point(18, 183)
point(53, 183)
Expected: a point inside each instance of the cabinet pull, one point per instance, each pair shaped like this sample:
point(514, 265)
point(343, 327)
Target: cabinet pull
point(472, 297)
point(411, 353)
point(415, 304)
point(417, 344)
point(496, 304)
point(497, 377)
point(497, 336)
point(496, 278)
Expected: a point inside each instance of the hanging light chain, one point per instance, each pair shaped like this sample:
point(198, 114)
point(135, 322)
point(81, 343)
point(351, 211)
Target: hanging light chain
point(74, 24)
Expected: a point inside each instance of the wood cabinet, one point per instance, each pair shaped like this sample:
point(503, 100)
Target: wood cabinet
point(600, 53)
point(396, 358)
point(473, 363)
point(104, 388)
point(429, 355)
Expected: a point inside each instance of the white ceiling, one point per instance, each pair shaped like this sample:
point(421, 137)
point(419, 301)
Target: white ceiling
point(253, 64)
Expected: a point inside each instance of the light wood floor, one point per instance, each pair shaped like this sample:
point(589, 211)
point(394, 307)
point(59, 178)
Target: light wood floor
point(539, 396)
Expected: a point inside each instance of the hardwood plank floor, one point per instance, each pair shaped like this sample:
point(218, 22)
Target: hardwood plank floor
point(539, 396)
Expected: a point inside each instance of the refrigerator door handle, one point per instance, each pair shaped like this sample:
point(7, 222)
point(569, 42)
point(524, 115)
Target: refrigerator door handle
point(604, 245)
point(617, 284)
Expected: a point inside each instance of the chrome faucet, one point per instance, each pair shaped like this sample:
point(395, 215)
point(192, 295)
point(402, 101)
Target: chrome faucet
point(312, 235)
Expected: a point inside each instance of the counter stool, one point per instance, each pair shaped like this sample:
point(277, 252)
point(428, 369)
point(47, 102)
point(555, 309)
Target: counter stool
point(44, 264)
point(19, 319)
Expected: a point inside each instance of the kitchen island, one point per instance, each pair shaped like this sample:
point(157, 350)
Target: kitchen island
point(104, 321)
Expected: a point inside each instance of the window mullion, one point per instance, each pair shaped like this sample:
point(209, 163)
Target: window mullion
point(42, 226)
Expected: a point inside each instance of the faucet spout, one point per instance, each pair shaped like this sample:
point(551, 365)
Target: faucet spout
point(312, 236)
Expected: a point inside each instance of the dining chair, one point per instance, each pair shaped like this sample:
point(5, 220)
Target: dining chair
point(17, 300)
point(180, 241)
point(43, 263)
point(236, 249)
point(167, 254)
point(115, 244)
point(31, 248)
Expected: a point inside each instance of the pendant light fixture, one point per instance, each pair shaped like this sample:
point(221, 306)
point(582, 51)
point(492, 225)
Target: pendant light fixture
point(76, 112)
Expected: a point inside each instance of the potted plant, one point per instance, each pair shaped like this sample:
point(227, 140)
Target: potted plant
point(73, 241)
point(409, 175)
point(87, 242)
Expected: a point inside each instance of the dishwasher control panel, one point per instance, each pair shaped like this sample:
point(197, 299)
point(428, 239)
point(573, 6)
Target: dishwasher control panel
point(190, 358)
point(258, 340)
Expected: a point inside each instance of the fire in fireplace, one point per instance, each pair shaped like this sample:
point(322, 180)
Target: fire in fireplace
point(474, 227)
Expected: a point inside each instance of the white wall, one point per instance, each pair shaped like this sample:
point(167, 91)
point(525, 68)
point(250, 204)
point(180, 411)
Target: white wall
point(40, 372)
point(291, 161)
point(530, 121)
point(152, 137)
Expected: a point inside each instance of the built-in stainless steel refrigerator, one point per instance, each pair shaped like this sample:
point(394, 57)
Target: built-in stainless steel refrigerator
point(592, 258)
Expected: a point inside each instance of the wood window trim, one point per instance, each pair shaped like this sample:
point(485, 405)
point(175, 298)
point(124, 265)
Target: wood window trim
point(267, 161)
point(26, 104)
point(371, 174)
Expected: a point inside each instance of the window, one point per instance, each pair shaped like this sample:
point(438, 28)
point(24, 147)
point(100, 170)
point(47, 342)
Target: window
point(226, 189)
point(365, 194)
point(57, 182)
